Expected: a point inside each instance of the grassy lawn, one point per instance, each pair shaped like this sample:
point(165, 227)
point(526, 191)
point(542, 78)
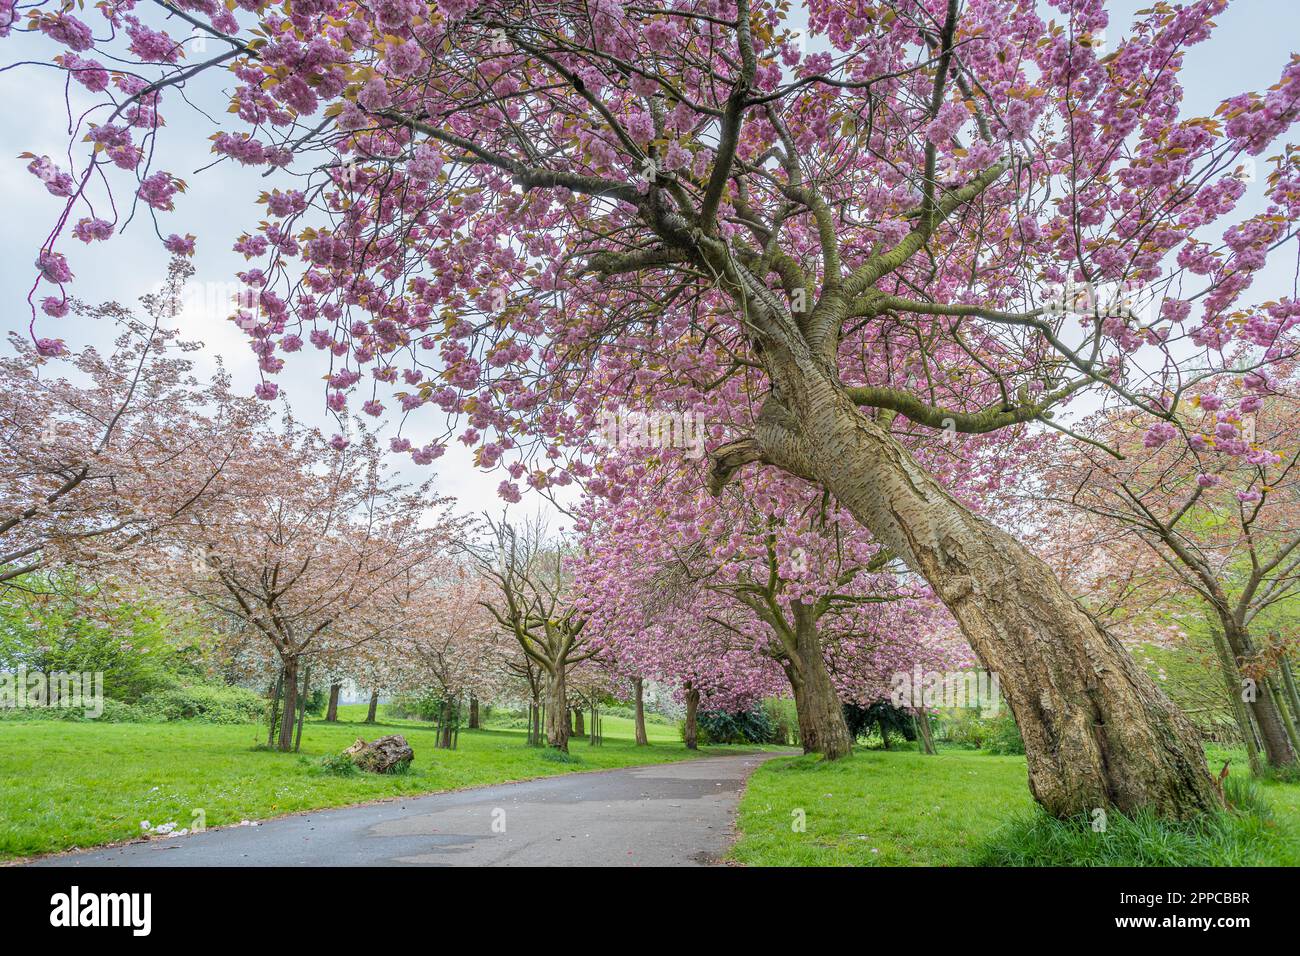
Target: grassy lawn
point(901, 808)
point(66, 784)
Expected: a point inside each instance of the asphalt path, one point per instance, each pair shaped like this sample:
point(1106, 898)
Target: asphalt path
point(676, 814)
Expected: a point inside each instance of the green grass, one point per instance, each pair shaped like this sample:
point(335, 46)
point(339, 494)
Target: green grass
point(79, 784)
point(964, 808)
point(1249, 835)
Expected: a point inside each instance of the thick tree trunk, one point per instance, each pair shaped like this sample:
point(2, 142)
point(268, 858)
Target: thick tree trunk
point(332, 711)
point(642, 739)
point(816, 696)
point(473, 712)
point(573, 721)
point(557, 711)
point(579, 722)
point(374, 707)
point(290, 712)
point(690, 733)
point(1272, 728)
point(1098, 732)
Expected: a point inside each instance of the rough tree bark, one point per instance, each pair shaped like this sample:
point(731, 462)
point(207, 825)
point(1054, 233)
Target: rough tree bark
point(579, 722)
point(642, 739)
point(332, 712)
point(473, 713)
point(1097, 730)
point(816, 697)
point(690, 732)
point(374, 707)
point(557, 710)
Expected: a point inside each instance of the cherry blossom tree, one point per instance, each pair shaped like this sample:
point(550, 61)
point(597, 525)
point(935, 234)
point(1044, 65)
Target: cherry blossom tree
point(531, 599)
point(319, 554)
point(524, 210)
point(101, 453)
point(789, 578)
point(453, 645)
point(1214, 494)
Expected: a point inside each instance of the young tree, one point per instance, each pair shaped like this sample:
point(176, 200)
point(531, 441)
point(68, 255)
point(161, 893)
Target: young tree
point(646, 200)
point(532, 601)
point(319, 554)
point(454, 648)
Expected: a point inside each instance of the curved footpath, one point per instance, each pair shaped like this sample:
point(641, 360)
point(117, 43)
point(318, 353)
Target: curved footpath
point(677, 814)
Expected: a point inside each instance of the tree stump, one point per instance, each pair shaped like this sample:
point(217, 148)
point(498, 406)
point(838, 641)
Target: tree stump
point(382, 755)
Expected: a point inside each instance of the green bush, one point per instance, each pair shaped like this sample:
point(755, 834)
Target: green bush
point(745, 727)
point(426, 706)
point(1004, 736)
point(41, 713)
point(210, 703)
point(337, 765)
point(139, 646)
point(785, 720)
point(995, 735)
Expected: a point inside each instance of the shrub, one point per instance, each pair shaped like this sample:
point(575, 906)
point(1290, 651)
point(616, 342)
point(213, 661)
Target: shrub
point(863, 721)
point(211, 703)
point(337, 765)
point(744, 727)
point(1004, 736)
point(785, 721)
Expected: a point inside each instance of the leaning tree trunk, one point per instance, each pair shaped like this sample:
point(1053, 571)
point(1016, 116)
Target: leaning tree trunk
point(821, 715)
point(332, 712)
point(1264, 706)
point(1097, 730)
point(557, 710)
point(374, 707)
point(690, 732)
point(289, 715)
point(642, 739)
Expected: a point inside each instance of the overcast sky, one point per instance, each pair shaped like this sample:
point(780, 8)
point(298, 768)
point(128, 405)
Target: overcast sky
point(1254, 40)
